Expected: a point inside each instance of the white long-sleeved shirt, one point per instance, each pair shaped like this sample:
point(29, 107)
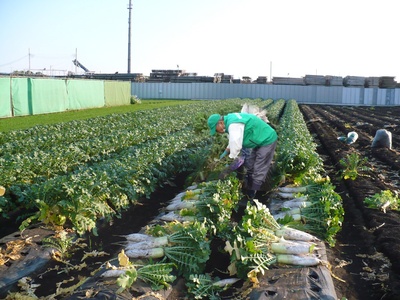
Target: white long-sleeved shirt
point(236, 132)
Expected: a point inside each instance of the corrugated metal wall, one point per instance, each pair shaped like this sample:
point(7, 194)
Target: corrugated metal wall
point(302, 94)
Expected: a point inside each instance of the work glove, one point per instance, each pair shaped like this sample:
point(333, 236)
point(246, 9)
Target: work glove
point(237, 163)
point(223, 154)
point(224, 174)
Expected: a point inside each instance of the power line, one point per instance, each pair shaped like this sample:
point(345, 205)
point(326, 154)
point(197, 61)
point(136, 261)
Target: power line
point(19, 59)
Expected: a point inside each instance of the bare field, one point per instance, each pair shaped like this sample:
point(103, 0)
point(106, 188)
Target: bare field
point(367, 255)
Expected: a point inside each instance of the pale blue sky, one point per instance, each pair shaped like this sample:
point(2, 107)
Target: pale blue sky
point(237, 37)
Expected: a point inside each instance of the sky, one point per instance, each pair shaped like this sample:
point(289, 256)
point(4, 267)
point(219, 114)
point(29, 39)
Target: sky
point(273, 38)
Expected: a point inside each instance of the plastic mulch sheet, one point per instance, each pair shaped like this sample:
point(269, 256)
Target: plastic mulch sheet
point(295, 284)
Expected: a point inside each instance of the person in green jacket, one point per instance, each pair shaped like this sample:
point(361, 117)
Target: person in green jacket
point(248, 131)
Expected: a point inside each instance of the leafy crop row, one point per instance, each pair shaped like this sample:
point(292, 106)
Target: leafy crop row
point(298, 161)
point(81, 171)
point(296, 150)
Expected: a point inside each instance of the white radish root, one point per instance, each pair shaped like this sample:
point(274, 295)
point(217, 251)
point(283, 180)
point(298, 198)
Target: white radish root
point(296, 217)
point(172, 216)
point(286, 195)
point(137, 237)
point(113, 273)
point(295, 204)
point(292, 189)
point(290, 247)
point(225, 282)
point(181, 205)
point(298, 260)
point(155, 242)
point(295, 234)
point(145, 253)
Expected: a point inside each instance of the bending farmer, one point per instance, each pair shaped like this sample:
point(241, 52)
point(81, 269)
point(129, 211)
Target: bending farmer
point(248, 131)
point(382, 139)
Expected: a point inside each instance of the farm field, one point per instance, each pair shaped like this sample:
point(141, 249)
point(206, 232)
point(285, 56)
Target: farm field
point(368, 246)
point(365, 261)
point(20, 123)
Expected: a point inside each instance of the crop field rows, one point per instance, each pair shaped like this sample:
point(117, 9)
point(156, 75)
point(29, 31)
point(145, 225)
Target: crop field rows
point(365, 260)
point(368, 248)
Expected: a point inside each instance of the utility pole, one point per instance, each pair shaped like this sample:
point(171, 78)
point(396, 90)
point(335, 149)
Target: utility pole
point(76, 58)
point(270, 71)
point(129, 37)
point(29, 58)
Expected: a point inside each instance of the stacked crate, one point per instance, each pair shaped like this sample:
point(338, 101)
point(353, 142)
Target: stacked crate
point(314, 80)
point(387, 82)
point(262, 79)
point(334, 80)
point(288, 80)
point(163, 75)
point(372, 82)
point(354, 81)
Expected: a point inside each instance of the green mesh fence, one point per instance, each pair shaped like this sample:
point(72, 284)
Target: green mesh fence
point(32, 96)
point(5, 98)
point(85, 93)
point(117, 93)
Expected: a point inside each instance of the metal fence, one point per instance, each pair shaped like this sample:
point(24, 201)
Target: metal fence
point(310, 94)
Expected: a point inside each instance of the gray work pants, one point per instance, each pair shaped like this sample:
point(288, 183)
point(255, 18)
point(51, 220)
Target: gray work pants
point(258, 165)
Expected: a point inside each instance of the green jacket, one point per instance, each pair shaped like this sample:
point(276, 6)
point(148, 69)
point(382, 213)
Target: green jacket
point(256, 132)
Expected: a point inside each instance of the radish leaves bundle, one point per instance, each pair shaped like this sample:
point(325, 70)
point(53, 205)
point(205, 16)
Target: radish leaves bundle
point(158, 275)
point(188, 248)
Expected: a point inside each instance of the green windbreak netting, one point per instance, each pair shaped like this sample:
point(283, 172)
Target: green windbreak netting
point(21, 96)
point(5, 101)
point(32, 96)
point(85, 94)
point(117, 93)
point(48, 96)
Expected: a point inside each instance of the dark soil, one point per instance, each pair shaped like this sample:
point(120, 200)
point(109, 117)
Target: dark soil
point(109, 240)
point(367, 255)
point(365, 262)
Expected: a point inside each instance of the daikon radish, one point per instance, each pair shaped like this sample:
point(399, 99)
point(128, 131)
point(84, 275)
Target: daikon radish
point(113, 273)
point(148, 244)
point(192, 198)
point(286, 195)
point(181, 205)
point(172, 216)
point(295, 204)
point(192, 194)
point(292, 189)
point(179, 196)
point(194, 190)
point(385, 206)
point(298, 260)
point(137, 237)
point(296, 217)
point(290, 212)
point(175, 200)
point(291, 247)
point(294, 234)
point(298, 199)
point(224, 282)
point(145, 253)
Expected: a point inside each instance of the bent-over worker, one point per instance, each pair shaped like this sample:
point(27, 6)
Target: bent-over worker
point(248, 131)
point(382, 139)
